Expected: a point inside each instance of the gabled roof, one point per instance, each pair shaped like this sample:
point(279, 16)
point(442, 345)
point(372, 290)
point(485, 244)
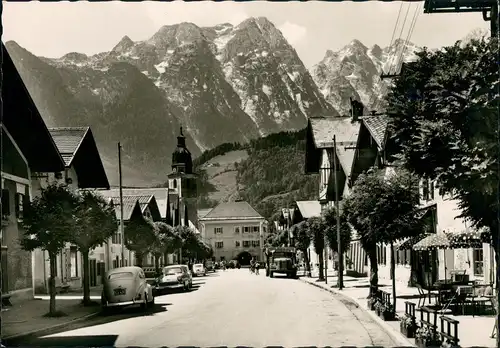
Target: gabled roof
point(309, 209)
point(68, 140)
point(232, 211)
point(377, 126)
point(130, 207)
point(24, 123)
point(321, 131)
point(324, 128)
point(79, 150)
point(159, 193)
point(203, 212)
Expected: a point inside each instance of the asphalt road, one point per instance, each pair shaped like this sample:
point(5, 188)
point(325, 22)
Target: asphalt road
point(232, 308)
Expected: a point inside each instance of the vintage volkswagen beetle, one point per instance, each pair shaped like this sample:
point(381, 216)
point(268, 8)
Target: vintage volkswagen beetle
point(126, 286)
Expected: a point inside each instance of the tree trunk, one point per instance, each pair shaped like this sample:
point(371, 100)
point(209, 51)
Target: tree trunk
point(372, 256)
point(307, 264)
point(321, 260)
point(157, 265)
point(393, 276)
point(165, 258)
point(139, 256)
point(52, 282)
point(86, 278)
point(496, 246)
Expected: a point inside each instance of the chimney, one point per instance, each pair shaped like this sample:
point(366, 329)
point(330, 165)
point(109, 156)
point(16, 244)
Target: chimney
point(357, 109)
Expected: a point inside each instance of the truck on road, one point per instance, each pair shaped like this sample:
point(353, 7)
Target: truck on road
point(282, 260)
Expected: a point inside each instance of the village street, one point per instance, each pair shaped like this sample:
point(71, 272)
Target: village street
point(232, 308)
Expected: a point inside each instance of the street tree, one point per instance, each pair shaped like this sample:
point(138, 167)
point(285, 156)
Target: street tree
point(95, 222)
point(48, 221)
point(316, 230)
point(190, 242)
point(383, 209)
point(139, 237)
point(330, 217)
point(163, 235)
point(447, 131)
point(302, 242)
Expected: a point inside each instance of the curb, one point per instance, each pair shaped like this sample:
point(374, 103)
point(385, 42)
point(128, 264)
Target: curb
point(396, 336)
point(48, 330)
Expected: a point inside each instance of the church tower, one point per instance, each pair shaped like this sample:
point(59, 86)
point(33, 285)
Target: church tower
point(182, 181)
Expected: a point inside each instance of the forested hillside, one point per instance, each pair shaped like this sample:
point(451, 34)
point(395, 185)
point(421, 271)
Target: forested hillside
point(270, 177)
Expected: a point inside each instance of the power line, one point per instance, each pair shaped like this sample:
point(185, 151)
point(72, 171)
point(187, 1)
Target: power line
point(408, 37)
point(401, 32)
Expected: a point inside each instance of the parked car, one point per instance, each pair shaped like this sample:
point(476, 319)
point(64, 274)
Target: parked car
point(210, 266)
point(126, 286)
point(199, 270)
point(174, 277)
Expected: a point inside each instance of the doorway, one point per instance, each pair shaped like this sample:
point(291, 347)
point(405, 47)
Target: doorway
point(244, 258)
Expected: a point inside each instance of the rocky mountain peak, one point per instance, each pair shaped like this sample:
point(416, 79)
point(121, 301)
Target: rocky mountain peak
point(328, 54)
point(376, 51)
point(125, 44)
point(356, 45)
point(176, 35)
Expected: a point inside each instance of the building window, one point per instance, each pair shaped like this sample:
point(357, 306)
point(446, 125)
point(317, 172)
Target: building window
point(255, 243)
point(219, 245)
point(116, 238)
point(74, 262)
point(256, 228)
point(431, 190)
point(478, 261)
point(246, 244)
point(19, 205)
point(218, 230)
point(425, 190)
point(237, 243)
point(236, 230)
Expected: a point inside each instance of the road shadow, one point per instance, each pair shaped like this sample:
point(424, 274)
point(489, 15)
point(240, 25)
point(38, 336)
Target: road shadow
point(101, 318)
point(72, 341)
point(368, 285)
point(410, 297)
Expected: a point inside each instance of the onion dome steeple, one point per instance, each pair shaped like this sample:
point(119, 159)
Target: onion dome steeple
point(181, 157)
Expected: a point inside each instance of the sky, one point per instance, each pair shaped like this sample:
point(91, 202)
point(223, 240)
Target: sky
point(56, 28)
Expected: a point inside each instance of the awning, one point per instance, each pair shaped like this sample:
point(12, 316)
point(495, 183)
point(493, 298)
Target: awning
point(408, 243)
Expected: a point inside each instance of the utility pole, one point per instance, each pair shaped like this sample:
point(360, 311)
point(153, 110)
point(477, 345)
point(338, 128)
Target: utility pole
point(340, 277)
point(122, 229)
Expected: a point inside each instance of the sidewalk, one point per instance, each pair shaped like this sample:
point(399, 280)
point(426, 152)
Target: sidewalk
point(27, 317)
point(471, 333)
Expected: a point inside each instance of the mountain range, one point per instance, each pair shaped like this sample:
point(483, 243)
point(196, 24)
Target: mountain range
point(222, 84)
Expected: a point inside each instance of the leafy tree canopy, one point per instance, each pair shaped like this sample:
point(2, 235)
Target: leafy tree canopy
point(301, 236)
point(49, 219)
point(443, 118)
point(330, 217)
point(95, 221)
point(316, 228)
point(384, 209)
point(140, 235)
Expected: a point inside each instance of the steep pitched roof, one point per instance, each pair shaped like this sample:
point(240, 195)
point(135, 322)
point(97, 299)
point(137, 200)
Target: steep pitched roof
point(159, 193)
point(309, 209)
point(324, 128)
point(203, 212)
point(79, 149)
point(23, 121)
point(129, 205)
point(377, 126)
point(68, 140)
point(232, 211)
